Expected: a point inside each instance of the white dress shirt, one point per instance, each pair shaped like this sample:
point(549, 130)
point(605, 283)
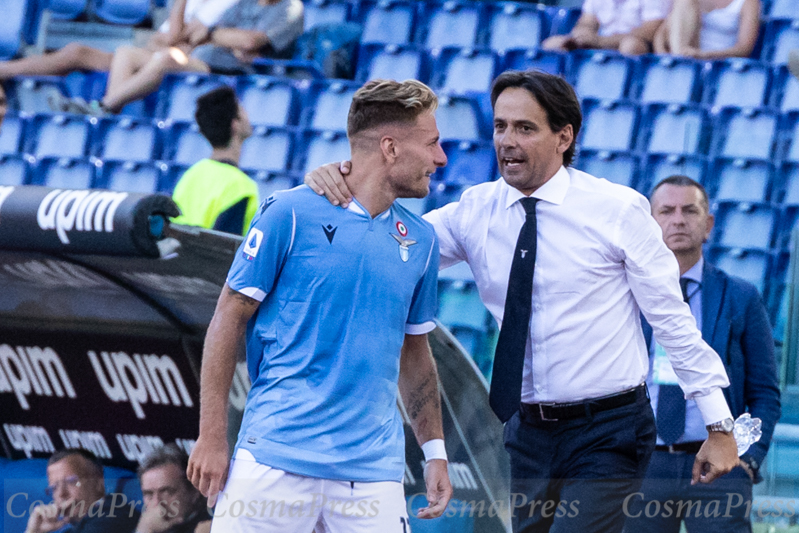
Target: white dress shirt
point(623, 16)
point(600, 259)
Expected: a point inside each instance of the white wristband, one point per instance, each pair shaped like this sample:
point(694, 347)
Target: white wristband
point(434, 449)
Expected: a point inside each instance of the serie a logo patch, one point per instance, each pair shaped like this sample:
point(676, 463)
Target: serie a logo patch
point(253, 243)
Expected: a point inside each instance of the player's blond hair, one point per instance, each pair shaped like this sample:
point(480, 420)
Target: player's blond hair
point(381, 102)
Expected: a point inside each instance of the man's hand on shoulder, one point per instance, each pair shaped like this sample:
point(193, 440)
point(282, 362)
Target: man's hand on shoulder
point(208, 466)
point(439, 489)
point(718, 455)
point(328, 180)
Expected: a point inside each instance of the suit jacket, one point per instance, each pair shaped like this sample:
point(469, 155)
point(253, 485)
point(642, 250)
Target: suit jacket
point(735, 324)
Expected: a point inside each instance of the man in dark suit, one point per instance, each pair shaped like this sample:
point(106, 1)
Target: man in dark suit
point(734, 322)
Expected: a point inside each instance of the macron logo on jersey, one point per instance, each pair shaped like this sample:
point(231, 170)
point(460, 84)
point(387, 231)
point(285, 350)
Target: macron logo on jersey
point(253, 242)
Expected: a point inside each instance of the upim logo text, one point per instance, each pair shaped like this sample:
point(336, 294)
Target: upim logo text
point(81, 210)
point(31, 369)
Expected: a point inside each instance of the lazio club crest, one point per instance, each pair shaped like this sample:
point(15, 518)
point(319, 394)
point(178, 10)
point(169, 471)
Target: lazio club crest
point(404, 244)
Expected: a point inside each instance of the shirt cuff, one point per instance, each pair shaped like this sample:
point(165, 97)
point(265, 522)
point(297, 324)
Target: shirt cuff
point(253, 292)
point(420, 329)
point(713, 407)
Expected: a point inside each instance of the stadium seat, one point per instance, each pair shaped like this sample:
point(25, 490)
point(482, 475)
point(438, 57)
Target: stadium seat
point(23, 476)
point(15, 169)
point(328, 104)
point(177, 98)
point(12, 26)
point(548, 61)
point(391, 61)
point(785, 90)
point(781, 37)
point(783, 9)
point(600, 74)
point(464, 70)
point(461, 118)
point(12, 133)
point(269, 101)
point(789, 129)
point(270, 182)
point(743, 180)
point(468, 163)
point(321, 148)
point(184, 144)
point(668, 79)
point(751, 265)
point(618, 167)
point(744, 225)
point(778, 293)
point(127, 139)
point(658, 167)
point(30, 94)
point(132, 176)
point(127, 12)
point(66, 173)
point(788, 222)
point(513, 25)
point(608, 125)
point(59, 135)
point(171, 177)
point(563, 19)
point(318, 12)
point(453, 23)
point(674, 129)
point(747, 133)
point(461, 306)
point(66, 9)
point(737, 82)
point(788, 174)
point(388, 21)
point(267, 149)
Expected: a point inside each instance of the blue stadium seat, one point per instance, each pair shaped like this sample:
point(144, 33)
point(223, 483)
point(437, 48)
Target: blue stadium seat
point(563, 19)
point(66, 173)
point(737, 82)
point(388, 21)
point(270, 182)
point(783, 9)
point(788, 221)
point(132, 176)
point(789, 186)
point(777, 294)
point(267, 149)
point(127, 139)
point(548, 61)
point(12, 26)
point(460, 117)
point(790, 133)
point(66, 9)
point(322, 148)
point(468, 163)
point(59, 135)
point(674, 129)
point(171, 177)
point(464, 70)
point(743, 180)
point(785, 90)
point(608, 125)
point(751, 265)
point(318, 12)
point(781, 37)
point(669, 79)
point(600, 74)
point(513, 25)
point(744, 225)
point(177, 98)
point(748, 133)
point(184, 144)
point(15, 169)
point(24, 476)
point(453, 23)
point(460, 306)
point(12, 133)
point(128, 12)
point(328, 105)
point(658, 167)
point(269, 101)
point(618, 167)
point(392, 61)
point(30, 93)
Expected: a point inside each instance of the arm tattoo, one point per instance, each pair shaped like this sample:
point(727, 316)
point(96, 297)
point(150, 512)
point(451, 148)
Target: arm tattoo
point(422, 395)
point(246, 300)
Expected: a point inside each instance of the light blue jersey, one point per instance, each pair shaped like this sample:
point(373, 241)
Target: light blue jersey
point(339, 291)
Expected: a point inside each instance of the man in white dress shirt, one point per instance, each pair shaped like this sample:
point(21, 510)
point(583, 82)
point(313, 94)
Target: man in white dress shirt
point(579, 427)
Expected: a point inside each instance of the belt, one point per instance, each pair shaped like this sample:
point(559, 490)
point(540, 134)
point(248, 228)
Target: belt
point(683, 447)
point(551, 412)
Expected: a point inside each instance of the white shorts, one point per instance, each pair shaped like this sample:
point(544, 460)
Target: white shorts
point(258, 498)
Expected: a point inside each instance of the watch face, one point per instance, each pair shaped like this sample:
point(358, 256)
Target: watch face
point(727, 425)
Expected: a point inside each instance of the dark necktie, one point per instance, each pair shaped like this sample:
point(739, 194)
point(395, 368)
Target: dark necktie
point(506, 378)
point(671, 401)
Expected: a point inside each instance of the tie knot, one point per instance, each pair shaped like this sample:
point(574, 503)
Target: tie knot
point(529, 205)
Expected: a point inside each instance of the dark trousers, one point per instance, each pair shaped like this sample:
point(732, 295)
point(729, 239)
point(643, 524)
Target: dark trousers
point(573, 475)
point(667, 498)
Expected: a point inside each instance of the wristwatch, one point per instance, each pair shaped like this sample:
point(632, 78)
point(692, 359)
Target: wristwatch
point(724, 426)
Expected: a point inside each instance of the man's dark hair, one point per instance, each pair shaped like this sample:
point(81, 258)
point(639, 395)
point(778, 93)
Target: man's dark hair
point(553, 94)
point(381, 102)
point(95, 464)
point(683, 181)
point(169, 454)
point(215, 112)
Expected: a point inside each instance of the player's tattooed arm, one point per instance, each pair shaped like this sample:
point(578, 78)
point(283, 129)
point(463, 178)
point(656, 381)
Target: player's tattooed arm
point(424, 394)
point(246, 300)
point(418, 386)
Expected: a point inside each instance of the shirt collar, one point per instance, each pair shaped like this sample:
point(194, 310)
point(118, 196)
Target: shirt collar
point(553, 191)
point(695, 272)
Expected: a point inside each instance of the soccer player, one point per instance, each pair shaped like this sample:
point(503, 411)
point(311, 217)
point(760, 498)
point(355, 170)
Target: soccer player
point(336, 305)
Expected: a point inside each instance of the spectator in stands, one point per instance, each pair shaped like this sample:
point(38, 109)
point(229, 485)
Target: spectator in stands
point(214, 193)
point(710, 29)
point(171, 503)
point(733, 320)
point(185, 18)
point(75, 482)
point(628, 26)
point(249, 29)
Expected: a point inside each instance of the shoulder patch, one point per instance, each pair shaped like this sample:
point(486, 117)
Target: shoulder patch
point(253, 243)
